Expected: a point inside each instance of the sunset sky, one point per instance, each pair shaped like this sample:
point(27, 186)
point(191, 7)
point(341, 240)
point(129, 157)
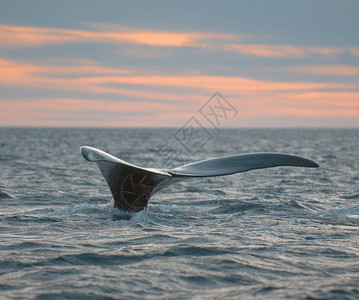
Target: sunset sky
point(279, 63)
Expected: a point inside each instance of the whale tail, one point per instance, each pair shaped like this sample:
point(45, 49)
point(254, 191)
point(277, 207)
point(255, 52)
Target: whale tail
point(133, 186)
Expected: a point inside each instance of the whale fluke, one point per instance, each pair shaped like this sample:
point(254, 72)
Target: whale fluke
point(133, 186)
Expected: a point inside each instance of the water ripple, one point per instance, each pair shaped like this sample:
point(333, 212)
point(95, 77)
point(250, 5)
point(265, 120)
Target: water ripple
point(266, 234)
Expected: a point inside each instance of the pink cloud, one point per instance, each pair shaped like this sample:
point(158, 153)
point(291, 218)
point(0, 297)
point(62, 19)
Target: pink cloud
point(126, 82)
point(279, 51)
point(327, 70)
point(265, 50)
point(88, 112)
point(354, 51)
point(320, 112)
point(231, 84)
point(20, 36)
point(165, 100)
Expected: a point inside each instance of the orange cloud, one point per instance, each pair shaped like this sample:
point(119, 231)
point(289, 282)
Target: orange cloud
point(161, 100)
point(17, 36)
point(88, 112)
point(279, 51)
point(15, 74)
point(230, 84)
point(15, 71)
point(66, 104)
point(265, 50)
point(21, 36)
point(320, 112)
point(341, 100)
point(80, 79)
point(301, 105)
point(330, 70)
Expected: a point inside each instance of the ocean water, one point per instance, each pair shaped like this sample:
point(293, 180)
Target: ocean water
point(265, 234)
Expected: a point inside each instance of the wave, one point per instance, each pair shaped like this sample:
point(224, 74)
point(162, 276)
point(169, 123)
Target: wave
point(82, 208)
point(194, 251)
point(30, 219)
point(260, 207)
point(238, 208)
point(351, 212)
point(4, 195)
point(351, 197)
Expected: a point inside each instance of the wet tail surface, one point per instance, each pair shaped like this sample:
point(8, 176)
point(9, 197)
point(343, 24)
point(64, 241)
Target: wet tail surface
point(133, 186)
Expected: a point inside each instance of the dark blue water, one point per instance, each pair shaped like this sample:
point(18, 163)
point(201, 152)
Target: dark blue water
point(273, 233)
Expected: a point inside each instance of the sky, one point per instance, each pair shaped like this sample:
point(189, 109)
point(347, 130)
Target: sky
point(261, 63)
